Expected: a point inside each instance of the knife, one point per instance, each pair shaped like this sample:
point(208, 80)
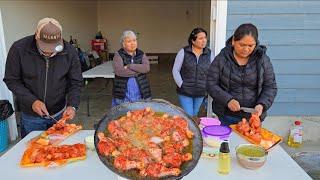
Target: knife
point(49, 116)
point(248, 110)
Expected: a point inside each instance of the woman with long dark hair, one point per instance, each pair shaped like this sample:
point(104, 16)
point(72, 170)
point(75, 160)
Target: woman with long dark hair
point(190, 71)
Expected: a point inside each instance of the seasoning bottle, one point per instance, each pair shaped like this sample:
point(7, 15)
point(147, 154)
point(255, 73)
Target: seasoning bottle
point(295, 135)
point(224, 162)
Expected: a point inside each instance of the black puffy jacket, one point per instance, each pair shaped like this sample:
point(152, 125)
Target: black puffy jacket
point(56, 80)
point(251, 84)
point(193, 73)
point(120, 83)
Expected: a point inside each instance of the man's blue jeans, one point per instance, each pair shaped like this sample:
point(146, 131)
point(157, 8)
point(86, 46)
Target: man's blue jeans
point(228, 120)
point(31, 123)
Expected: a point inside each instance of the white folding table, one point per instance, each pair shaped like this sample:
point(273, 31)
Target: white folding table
point(104, 70)
point(279, 165)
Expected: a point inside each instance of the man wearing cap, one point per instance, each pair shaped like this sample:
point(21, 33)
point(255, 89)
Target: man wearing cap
point(44, 73)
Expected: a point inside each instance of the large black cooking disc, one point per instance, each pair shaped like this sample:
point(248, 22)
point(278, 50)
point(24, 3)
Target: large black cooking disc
point(157, 106)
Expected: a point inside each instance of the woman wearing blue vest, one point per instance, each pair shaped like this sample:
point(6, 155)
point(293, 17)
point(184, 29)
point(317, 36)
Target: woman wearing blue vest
point(190, 71)
point(130, 66)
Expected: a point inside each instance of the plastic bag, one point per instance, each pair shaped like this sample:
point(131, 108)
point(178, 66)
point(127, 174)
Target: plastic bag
point(56, 138)
point(6, 109)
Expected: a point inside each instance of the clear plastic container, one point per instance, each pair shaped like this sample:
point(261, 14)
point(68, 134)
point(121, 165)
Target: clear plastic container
point(214, 135)
point(295, 135)
point(89, 140)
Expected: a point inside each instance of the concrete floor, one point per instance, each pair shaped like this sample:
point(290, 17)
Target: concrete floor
point(99, 91)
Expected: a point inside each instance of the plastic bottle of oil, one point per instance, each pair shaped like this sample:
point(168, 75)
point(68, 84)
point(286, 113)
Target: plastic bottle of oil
point(295, 135)
point(224, 161)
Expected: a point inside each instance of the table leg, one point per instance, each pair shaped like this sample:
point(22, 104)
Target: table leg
point(107, 82)
point(88, 105)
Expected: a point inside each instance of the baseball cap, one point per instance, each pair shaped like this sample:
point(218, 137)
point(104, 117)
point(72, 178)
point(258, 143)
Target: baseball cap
point(49, 35)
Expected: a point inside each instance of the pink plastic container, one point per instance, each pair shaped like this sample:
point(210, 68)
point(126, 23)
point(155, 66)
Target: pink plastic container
point(207, 121)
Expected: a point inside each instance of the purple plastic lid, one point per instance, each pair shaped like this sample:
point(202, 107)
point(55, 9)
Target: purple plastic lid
point(217, 130)
point(207, 121)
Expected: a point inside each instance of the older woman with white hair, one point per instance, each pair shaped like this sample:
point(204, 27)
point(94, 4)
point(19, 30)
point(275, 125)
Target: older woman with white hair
point(130, 65)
